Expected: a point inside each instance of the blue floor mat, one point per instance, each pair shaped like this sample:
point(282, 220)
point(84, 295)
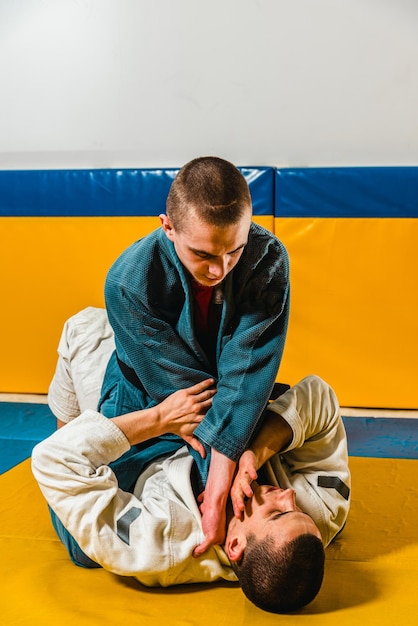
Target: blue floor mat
point(382, 437)
point(23, 425)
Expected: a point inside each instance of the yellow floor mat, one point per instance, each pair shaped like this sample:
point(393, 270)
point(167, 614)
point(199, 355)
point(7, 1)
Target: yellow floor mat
point(371, 572)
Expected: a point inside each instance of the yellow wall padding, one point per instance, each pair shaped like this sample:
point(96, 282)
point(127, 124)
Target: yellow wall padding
point(52, 267)
point(371, 570)
point(354, 299)
point(354, 307)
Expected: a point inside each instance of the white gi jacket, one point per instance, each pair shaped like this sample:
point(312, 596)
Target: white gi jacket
point(151, 533)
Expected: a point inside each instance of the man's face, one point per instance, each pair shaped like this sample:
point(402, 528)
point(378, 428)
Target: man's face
point(273, 512)
point(209, 252)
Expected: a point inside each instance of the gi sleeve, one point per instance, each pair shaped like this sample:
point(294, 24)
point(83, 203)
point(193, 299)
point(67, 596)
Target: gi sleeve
point(71, 467)
point(250, 355)
point(316, 461)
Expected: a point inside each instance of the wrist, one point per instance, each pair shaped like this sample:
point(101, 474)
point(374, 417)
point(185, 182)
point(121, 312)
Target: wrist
point(275, 436)
point(221, 473)
point(139, 426)
point(157, 422)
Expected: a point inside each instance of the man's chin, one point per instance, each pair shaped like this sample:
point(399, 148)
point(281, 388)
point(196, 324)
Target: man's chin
point(208, 282)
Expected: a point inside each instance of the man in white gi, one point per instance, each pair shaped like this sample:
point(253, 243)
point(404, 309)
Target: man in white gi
point(125, 494)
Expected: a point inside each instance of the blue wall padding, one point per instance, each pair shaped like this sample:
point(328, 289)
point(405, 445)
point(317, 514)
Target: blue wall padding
point(347, 192)
point(22, 425)
point(108, 192)
point(298, 192)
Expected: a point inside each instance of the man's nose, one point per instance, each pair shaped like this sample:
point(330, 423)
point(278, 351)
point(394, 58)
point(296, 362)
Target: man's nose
point(288, 496)
point(218, 267)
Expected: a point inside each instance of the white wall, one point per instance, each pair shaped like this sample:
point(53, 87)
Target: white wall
point(126, 83)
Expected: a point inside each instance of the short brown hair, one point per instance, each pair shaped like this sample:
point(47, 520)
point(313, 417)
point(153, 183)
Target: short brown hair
point(212, 187)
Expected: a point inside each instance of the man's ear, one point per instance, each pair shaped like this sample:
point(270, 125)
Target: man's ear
point(235, 545)
point(167, 226)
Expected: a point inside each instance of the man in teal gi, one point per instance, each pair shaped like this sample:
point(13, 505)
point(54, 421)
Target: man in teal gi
point(204, 296)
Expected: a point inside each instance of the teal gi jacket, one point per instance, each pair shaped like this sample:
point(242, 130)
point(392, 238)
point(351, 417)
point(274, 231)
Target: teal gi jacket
point(150, 307)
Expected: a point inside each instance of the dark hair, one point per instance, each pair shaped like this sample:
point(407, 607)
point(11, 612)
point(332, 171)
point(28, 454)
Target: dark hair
point(214, 188)
point(285, 579)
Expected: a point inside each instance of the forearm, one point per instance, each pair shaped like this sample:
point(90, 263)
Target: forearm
point(274, 435)
point(72, 469)
point(249, 361)
point(214, 500)
point(140, 426)
point(73, 461)
point(179, 414)
point(221, 473)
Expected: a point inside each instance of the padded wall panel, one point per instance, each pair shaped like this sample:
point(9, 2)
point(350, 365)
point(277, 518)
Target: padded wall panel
point(352, 236)
point(354, 307)
point(52, 267)
point(347, 192)
point(353, 278)
point(60, 230)
point(135, 192)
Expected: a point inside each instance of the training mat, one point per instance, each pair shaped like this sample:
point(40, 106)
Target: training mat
point(23, 424)
point(371, 572)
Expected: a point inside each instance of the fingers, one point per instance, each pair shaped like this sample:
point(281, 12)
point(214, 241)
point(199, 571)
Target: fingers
point(241, 487)
point(206, 395)
point(202, 548)
point(196, 445)
point(202, 401)
point(194, 418)
point(204, 385)
point(204, 405)
point(198, 398)
point(238, 495)
point(209, 541)
point(238, 507)
point(204, 398)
